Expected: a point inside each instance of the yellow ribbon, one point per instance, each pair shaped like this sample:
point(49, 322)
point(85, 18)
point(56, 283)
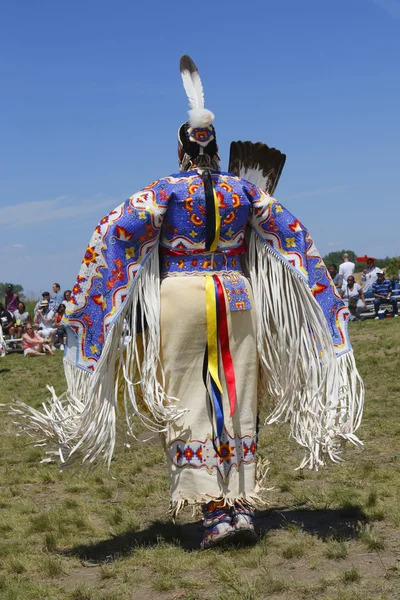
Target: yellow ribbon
point(214, 245)
point(212, 337)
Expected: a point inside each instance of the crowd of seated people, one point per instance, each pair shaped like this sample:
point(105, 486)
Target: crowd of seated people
point(42, 334)
point(374, 286)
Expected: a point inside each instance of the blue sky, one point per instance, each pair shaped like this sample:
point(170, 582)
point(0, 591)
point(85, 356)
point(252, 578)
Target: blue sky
point(91, 99)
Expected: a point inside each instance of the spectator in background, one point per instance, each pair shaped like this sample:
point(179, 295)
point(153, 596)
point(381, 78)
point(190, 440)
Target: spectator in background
point(382, 292)
point(7, 321)
point(346, 268)
point(58, 296)
point(353, 293)
point(10, 300)
point(369, 277)
point(67, 296)
point(59, 327)
point(46, 297)
point(32, 343)
point(336, 277)
point(22, 318)
point(44, 319)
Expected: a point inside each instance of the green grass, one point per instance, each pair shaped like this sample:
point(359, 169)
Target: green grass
point(351, 576)
point(331, 535)
point(336, 550)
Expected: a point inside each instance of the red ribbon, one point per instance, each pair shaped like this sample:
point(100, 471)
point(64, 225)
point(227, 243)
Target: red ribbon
point(224, 345)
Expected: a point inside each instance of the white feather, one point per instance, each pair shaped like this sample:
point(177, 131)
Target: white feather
point(193, 88)
point(255, 176)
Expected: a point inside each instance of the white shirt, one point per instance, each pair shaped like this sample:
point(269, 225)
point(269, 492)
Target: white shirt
point(355, 292)
point(346, 269)
point(45, 320)
point(370, 277)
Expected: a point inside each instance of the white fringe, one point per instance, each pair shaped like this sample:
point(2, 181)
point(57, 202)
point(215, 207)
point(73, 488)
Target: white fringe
point(320, 395)
point(3, 350)
point(82, 422)
point(253, 501)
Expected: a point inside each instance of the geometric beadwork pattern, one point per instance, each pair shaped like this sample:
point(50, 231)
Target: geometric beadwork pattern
point(232, 452)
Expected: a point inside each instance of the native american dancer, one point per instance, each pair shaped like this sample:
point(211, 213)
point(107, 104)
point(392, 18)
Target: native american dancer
point(189, 294)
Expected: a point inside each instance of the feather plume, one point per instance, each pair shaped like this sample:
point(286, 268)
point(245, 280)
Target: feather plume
point(257, 163)
point(198, 115)
point(192, 82)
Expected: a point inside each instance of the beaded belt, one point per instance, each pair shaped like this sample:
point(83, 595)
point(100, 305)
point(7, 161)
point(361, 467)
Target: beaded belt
point(199, 263)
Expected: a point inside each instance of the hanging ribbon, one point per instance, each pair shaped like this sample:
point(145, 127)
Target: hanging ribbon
point(217, 231)
point(223, 336)
point(212, 352)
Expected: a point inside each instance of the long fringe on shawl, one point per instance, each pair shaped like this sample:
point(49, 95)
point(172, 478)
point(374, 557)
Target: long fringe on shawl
point(128, 379)
point(319, 394)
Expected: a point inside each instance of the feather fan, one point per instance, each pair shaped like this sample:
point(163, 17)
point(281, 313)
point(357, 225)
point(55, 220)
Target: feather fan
point(258, 163)
point(198, 115)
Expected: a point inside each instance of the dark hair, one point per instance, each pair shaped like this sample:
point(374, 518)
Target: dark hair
point(57, 285)
point(20, 302)
point(334, 266)
point(66, 292)
point(59, 307)
point(208, 159)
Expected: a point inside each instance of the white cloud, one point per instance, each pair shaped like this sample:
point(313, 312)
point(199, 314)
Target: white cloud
point(18, 246)
point(38, 212)
point(319, 192)
point(392, 7)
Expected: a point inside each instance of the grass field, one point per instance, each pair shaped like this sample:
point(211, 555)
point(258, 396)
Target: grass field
point(333, 535)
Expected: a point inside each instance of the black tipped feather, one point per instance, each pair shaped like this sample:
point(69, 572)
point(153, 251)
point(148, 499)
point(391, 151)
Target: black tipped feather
point(186, 64)
point(257, 163)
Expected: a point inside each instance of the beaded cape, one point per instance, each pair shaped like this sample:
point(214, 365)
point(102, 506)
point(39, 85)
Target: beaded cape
point(124, 239)
point(112, 357)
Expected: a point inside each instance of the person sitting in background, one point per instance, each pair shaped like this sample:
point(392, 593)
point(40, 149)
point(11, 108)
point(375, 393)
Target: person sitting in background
point(336, 277)
point(44, 318)
point(10, 300)
point(347, 267)
point(382, 293)
point(58, 296)
point(22, 318)
point(7, 322)
point(52, 303)
point(33, 344)
point(59, 327)
point(67, 296)
point(353, 292)
point(369, 277)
